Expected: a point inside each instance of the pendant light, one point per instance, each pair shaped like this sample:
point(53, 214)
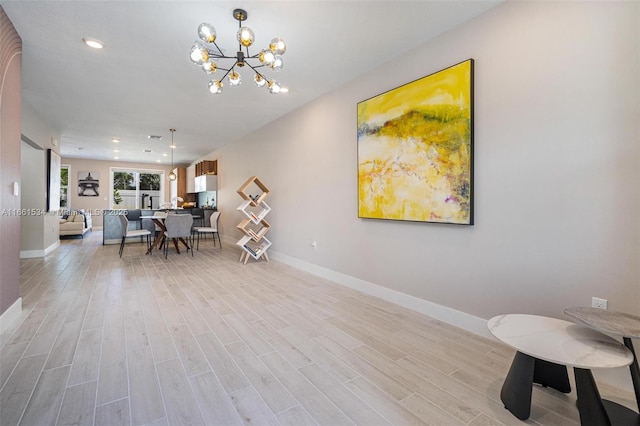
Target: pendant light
point(172, 175)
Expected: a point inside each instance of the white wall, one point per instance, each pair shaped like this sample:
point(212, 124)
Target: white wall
point(97, 204)
point(32, 196)
point(41, 134)
point(557, 165)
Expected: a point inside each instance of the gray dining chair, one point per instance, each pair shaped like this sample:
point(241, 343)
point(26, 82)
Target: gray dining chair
point(178, 228)
point(126, 233)
point(211, 229)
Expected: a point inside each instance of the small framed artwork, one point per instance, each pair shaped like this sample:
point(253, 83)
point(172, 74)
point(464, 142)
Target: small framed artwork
point(415, 150)
point(88, 184)
point(53, 181)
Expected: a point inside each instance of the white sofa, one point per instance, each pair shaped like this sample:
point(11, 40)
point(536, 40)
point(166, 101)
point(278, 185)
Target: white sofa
point(75, 222)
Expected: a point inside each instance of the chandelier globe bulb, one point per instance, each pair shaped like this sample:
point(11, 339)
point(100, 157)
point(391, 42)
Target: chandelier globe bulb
point(215, 87)
point(207, 33)
point(199, 53)
point(260, 81)
point(277, 64)
point(234, 79)
point(274, 87)
point(278, 46)
point(245, 36)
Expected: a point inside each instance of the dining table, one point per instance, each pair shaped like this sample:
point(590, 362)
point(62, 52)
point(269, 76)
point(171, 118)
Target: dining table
point(159, 221)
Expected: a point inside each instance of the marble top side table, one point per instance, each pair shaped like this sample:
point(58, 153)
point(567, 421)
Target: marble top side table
point(620, 324)
point(545, 346)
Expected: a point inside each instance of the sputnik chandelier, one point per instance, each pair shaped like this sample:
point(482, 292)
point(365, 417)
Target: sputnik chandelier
point(205, 53)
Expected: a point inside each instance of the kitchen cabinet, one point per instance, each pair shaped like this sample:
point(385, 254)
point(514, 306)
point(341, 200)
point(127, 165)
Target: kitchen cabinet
point(206, 183)
point(207, 167)
point(182, 183)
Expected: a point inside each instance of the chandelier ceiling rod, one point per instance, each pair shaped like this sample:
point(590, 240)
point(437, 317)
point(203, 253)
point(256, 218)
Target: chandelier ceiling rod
point(207, 58)
point(172, 175)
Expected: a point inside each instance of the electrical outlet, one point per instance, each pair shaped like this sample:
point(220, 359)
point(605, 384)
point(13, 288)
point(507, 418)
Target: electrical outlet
point(596, 302)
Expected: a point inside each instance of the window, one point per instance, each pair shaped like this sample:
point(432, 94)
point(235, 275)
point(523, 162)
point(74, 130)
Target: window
point(136, 189)
point(64, 186)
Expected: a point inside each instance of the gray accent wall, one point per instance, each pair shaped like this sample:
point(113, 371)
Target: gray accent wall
point(10, 121)
point(557, 169)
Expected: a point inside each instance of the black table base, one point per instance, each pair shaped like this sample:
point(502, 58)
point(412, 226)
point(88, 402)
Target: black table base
point(524, 372)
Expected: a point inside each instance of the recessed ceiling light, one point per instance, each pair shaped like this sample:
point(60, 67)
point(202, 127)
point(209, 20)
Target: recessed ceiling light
point(116, 158)
point(284, 90)
point(93, 43)
point(116, 150)
point(173, 146)
point(157, 161)
point(154, 137)
point(114, 140)
point(164, 154)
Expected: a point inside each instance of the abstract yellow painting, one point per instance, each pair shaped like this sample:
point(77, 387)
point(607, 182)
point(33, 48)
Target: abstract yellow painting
point(415, 150)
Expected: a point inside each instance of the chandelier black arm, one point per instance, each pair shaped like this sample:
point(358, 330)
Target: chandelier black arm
point(256, 71)
point(219, 50)
point(217, 56)
point(228, 71)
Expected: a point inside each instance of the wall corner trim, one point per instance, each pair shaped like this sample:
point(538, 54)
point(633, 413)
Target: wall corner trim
point(10, 315)
point(442, 313)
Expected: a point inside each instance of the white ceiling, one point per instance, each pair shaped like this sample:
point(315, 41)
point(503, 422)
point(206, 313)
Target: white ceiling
point(143, 82)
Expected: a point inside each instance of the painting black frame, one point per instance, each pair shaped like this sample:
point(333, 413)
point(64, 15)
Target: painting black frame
point(53, 180)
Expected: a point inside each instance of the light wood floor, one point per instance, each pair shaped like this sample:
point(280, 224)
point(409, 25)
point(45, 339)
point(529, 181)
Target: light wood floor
point(206, 340)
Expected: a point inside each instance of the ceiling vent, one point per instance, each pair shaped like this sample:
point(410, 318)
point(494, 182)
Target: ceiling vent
point(148, 151)
point(155, 137)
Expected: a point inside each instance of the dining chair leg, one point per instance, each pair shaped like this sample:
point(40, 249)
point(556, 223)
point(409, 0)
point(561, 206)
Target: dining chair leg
point(198, 241)
point(122, 245)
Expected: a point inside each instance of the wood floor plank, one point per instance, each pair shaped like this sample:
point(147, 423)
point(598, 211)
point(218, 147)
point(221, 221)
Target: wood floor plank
point(10, 354)
point(78, 405)
point(384, 404)
point(390, 384)
point(15, 394)
point(189, 351)
point(86, 362)
point(449, 403)
point(252, 408)
point(319, 354)
point(115, 413)
point(359, 412)
point(146, 403)
point(65, 345)
point(295, 416)
point(180, 402)
point(315, 402)
point(45, 401)
point(219, 326)
point(230, 376)
point(212, 399)
point(272, 392)
point(286, 348)
point(113, 381)
point(253, 339)
point(428, 412)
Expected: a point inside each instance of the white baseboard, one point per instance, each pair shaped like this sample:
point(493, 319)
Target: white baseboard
point(28, 254)
point(10, 315)
point(52, 247)
point(442, 313)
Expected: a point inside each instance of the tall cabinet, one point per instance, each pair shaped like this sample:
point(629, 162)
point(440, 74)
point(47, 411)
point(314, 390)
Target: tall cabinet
point(254, 226)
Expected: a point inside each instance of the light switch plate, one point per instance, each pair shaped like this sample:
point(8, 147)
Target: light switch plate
point(16, 189)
